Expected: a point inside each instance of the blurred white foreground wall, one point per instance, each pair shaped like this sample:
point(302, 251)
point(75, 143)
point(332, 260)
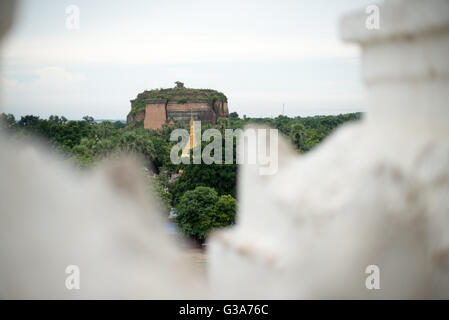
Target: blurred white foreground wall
point(374, 193)
point(102, 222)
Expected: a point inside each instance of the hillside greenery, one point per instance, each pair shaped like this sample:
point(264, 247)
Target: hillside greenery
point(179, 95)
point(85, 142)
point(201, 210)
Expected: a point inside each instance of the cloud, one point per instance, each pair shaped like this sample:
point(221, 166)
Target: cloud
point(57, 78)
point(303, 104)
point(260, 54)
point(47, 78)
point(42, 91)
point(168, 48)
point(204, 31)
point(174, 49)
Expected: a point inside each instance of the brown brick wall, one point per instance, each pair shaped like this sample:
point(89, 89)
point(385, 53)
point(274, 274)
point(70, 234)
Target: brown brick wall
point(225, 109)
point(155, 116)
point(221, 108)
point(185, 107)
point(140, 116)
point(181, 112)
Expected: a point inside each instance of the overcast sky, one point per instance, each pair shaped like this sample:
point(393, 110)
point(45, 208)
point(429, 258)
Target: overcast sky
point(261, 54)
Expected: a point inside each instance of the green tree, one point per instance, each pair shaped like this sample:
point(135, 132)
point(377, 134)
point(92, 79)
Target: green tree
point(222, 123)
point(297, 135)
point(105, 129)
point(195, 212)
point(221, 177)
point(162, 160)
point(57, 120)
point(224, 212)
point(7, 121)
point(89, 119)
point(158, 189)
point(104, 148)
point(28, 121)
point(119, 125)
point(83, 152)
point(137, 143)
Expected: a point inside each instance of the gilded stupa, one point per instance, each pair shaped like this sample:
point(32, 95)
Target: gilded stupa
point(192, 141)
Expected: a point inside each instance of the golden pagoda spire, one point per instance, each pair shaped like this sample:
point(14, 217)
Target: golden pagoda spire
point(192, 142)
point(192, 130)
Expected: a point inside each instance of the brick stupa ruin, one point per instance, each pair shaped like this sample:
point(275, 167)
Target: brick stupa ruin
point(155, 109)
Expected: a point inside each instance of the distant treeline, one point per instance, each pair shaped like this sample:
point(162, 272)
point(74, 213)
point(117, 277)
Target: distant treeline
point(304, 132)
point(87, 141)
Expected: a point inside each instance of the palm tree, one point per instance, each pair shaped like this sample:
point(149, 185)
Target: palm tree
point(297, 134)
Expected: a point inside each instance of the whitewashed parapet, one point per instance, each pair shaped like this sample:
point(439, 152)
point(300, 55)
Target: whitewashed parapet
point(405, 62)
point(374, 193)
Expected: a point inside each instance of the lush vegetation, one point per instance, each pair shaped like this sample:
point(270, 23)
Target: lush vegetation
point(203, 195)
point(201, 210)
point(180, 95)
point(304, 132)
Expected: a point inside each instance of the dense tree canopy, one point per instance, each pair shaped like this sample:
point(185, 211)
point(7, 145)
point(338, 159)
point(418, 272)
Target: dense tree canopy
point(201, 210)
point(224, 211)
point(204, 195)
point(194, 210)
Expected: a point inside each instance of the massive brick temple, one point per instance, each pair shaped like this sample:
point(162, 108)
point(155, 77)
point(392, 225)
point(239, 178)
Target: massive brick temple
point(155, 109)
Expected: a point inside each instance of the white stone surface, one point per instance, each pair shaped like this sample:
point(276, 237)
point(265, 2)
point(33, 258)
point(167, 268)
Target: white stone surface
point(52, 216)
point(375, 192)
